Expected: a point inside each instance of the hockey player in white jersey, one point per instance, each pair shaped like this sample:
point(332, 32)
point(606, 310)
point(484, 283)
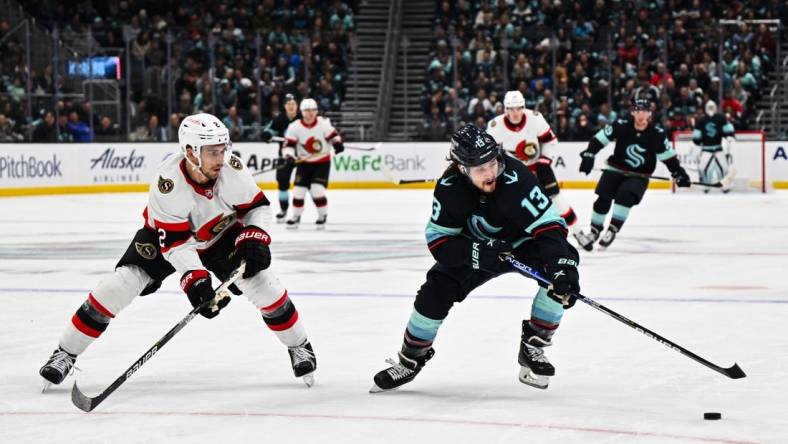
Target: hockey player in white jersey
point(204, 212)
point(307, 143)
point(527, 136)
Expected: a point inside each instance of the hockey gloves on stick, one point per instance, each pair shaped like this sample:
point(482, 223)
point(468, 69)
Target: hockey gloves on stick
point(681, 177)
point(339, 147)
point(566, 281)
point(252, 245)
point(587, 162)
point(266, 136)
point(288, 161)
point(485, 255)
point(197, 286)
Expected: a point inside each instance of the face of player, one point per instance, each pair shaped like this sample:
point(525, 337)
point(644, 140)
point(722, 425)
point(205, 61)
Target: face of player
point(291, 108)
point(309, 115)
point(515, 115)
point(641, 118)
point(485, 175)
point(211, 162)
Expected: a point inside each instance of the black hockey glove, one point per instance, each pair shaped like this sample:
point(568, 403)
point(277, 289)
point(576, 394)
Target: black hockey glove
point(681, 177)
point(197, 286)
point(587, 162)
point(565, 281)
point(288, 161)
point(485, 255)
point(266, 136)
point(339, 147)
point(251, 245)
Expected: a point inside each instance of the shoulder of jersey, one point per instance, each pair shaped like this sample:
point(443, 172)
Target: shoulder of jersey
point(495, 121)
point(169, 179)
point(515, 171)
point(533, 113)
point(235, 163)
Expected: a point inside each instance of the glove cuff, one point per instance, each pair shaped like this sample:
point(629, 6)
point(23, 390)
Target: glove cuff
point(253, 233)
point(190, 278)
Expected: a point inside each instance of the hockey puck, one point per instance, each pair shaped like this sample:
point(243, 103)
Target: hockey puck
point(712, 415)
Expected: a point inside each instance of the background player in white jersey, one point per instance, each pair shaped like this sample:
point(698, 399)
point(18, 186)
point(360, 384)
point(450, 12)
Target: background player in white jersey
point(307, 140)
point(527, 136)
point(204, 212)
point(714, 135)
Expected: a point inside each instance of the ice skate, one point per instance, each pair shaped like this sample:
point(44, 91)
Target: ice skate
point(293, 222)
point(57, 367)
point(586, 241)
point(608, 238)
point(535, 368)
point(400, 373)
point(280, 217)
point(302, 357)
point(320, 223)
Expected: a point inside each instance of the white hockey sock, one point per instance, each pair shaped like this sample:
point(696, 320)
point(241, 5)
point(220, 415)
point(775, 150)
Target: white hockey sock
point(299, 193)
point(318, 193)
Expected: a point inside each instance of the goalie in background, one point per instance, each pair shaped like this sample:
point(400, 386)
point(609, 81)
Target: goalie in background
point(714, 135)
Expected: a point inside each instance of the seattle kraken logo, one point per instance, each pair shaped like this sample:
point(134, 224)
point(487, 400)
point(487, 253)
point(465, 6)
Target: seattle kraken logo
point(480, 228)
point(634, 155)
point(711, 130)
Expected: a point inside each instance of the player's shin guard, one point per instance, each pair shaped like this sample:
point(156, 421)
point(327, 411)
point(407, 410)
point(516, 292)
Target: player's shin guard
point(299, 193)
point(284, 204)
point(318, 192)
point(282, 318)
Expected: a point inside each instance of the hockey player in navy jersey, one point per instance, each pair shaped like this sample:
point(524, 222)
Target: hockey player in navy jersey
point(639, 144)
point(204, 213)
point(284, 171)
point(714, 135)
point(487, 204)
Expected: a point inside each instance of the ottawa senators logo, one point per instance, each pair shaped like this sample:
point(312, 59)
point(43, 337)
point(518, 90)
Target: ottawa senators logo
point(148, 251)
point(223, 223)
point(235, 163)
point(165, 185)
point(493, 123)
point(526, 151)
point(313, 145)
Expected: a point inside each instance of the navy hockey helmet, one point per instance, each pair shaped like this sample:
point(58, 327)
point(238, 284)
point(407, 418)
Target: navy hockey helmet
point(471, 146)
point(641, 104)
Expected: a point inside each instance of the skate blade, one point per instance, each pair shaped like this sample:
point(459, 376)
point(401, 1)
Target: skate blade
point(320, 227)
point(45, 386)
point(292, 227)
point(528, 377)
point(376, 389)
point(309, 379)
point(280, 221)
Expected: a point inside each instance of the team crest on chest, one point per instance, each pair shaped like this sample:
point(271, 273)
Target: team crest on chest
point(165, 185)
point(526, 150)
point(147, 251)
point(313, 145)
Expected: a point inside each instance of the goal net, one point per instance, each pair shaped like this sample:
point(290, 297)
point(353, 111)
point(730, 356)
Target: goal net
point(748, 154)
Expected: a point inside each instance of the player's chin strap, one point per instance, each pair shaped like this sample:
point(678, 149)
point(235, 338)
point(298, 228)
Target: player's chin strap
point(87, 404)
point(733, 372)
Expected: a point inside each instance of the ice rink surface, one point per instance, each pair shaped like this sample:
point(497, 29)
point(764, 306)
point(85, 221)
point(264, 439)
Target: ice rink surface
point(708, 272)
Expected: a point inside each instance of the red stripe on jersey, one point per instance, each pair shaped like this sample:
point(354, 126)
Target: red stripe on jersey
point(511, 126)
point(257, 198)
point(172, 226)
point(544, 160)
point(201, 189)
point(548, 228)
point(307, 125)
point(547, 136)
point(174, 244)
point(542, 324)
point(290, 141)
point(100, 308)
point(287, 324)
point(79, 325)
point(279, 302)
point(435, 244)
point(145, 216)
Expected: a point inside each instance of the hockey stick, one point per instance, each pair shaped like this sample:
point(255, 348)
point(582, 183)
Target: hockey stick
point(724, 183)
point(349, 147)
point(283, 164)
point(87, 404)
point(733, 372)
point(407, 181)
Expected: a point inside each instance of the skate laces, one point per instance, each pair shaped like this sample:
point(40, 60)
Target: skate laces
point(301, 354)
point(535, 353)
point(397, 370)
point(62, 362)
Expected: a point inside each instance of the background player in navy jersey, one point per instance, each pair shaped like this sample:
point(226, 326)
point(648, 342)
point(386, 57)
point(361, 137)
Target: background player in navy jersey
point(205, 212)
point(485, 204)
point(284, 171)
point(714, 135)
point(639, 144)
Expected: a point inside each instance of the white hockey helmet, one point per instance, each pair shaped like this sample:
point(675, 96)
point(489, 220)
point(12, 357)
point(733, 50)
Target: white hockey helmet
point(711, 108)
point(199, 130)
point(513, 99)
point(308, 104)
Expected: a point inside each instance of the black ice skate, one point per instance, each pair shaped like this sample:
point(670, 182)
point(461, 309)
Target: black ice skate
point(535, 368)
point(400, 373)
point(586, 241)
point(293, 222)
point(320, 223)
point(304, 362)
point(280, 217)
point(59, 365)
point(608, 237)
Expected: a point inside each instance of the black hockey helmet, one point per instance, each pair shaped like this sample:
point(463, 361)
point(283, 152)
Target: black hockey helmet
point(641, 104)
point(471, 146)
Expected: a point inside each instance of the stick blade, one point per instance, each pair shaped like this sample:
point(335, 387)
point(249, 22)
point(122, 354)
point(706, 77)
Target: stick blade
point(735, 372)
point(82, 402)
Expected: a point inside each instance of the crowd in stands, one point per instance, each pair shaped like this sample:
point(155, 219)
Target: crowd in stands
point(604, 53)
point(219, 51)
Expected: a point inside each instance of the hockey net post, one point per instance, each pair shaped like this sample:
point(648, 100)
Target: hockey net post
point(749, 160)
